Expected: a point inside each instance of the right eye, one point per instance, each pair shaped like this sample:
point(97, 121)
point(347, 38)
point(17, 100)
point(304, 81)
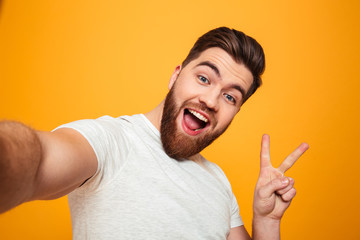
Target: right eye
point(203, 79)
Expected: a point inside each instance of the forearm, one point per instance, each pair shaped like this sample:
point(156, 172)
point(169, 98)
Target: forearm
point(20, 154)
point(265, 229)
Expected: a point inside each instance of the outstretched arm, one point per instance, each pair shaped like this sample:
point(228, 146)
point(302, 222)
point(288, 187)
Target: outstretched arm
point(20, 154)
point(41, 165)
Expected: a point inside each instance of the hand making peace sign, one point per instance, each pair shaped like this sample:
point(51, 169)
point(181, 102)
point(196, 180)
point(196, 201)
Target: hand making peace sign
point(274, 191)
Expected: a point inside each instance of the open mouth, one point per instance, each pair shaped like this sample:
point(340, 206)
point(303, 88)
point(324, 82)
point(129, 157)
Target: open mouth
point(194, 122)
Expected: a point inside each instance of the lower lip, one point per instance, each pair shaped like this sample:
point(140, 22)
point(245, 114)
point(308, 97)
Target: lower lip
point(188, 130)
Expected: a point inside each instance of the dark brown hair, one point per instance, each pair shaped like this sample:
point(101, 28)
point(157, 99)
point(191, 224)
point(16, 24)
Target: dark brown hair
point(243, 49)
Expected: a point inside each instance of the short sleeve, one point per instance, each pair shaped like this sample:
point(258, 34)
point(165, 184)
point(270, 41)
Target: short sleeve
point(236, 219)
point(107, 137)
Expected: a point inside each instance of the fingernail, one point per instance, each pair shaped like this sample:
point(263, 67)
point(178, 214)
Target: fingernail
point(284, 180)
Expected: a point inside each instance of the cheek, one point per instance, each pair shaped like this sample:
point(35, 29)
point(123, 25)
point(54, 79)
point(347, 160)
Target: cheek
point(186, 90)
point(226, 114)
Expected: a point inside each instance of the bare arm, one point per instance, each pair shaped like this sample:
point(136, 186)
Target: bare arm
point(20, 154)
point(41, 165)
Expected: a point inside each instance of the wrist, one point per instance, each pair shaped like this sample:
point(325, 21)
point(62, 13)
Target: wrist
point(266, 228)
point(263, 220)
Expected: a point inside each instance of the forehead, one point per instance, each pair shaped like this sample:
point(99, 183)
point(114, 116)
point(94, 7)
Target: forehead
point(230, 71)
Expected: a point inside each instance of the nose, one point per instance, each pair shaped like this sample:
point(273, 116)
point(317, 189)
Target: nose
point(211, 100)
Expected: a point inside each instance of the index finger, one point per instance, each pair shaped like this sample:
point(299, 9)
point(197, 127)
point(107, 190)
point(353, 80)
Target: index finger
point(291, 159)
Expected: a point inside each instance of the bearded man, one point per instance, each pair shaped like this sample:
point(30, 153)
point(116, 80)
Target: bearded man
point(141, 176)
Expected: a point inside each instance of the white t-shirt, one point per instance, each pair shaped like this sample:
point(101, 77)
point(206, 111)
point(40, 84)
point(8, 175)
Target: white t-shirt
point(139, 192)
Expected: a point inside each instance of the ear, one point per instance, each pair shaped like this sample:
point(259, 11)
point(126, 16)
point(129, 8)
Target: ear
point(174, 76)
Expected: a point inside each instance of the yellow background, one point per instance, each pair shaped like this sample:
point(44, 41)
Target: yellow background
point(62, 61)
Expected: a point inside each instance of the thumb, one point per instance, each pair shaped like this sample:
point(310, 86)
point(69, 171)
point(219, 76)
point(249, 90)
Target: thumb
point(271, 187)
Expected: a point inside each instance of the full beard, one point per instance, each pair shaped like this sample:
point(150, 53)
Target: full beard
point(178, 144)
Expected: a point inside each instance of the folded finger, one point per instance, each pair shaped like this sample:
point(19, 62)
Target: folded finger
point(285, 190)
point(270, 188)
point(289, 195)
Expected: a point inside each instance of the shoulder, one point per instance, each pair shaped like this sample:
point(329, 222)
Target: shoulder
point(215, 170)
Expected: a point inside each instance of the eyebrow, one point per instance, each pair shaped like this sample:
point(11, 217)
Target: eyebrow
point(217, 72)
point(239, 88)
point(210, 65)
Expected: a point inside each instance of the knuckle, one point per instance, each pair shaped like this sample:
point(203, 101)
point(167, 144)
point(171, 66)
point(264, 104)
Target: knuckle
point(288, 196)
point(285, 165)
point(291, 182)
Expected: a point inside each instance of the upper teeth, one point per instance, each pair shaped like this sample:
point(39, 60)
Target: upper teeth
point(198, 115)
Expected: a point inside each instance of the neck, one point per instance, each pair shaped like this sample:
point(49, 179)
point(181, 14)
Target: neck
point(155, 115)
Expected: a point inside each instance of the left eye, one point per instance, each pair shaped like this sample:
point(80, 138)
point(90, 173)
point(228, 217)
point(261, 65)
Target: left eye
point(229, 98)
point(203, 79)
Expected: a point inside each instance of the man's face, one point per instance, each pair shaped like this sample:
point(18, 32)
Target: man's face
point(204, 97)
